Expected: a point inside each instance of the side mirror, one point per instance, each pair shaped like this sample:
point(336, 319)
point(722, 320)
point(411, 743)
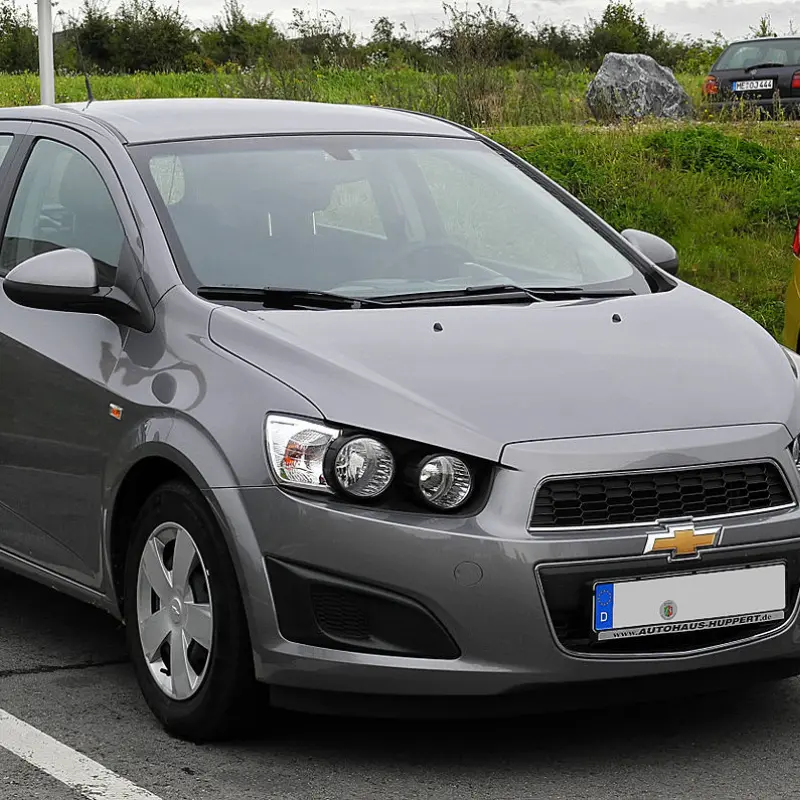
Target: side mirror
point(661, 253)
point(67, 280)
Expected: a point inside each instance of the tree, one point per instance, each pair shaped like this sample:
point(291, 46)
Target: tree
point(323, 38)
point(92, 32)
point(554, 45)
point(150, 38)
point(18, 46)
point(620, 30)
point(764, 28)
point(482, 36)
point(382, 32)
point(236, 38)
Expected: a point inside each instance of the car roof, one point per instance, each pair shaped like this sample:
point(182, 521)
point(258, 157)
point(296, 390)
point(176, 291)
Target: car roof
point(765, 39)
point(159, 120)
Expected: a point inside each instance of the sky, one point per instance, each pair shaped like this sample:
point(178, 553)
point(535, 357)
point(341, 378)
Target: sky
point(697, 18)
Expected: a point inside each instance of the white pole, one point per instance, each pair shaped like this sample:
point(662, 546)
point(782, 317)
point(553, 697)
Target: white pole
point(46, 65)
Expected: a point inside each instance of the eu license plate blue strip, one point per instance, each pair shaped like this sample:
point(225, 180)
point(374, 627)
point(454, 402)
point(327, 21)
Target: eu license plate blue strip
point(604, 606)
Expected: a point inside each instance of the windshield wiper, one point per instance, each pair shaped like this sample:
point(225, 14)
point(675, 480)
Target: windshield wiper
point(765, 65)
point(501, 292)
point(285, 297)
point(576, 292)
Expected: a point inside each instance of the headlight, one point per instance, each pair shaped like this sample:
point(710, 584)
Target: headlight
point(297, 449)
point(362, 466)
point(312, 456)
point(444, 481)
point(308, 455)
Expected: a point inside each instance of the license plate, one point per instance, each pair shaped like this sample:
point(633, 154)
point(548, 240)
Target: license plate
point(752, 86)
point(690, 602)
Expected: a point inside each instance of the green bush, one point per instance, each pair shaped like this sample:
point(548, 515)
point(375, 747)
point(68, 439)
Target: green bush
point(234, 37)
point(140, 36)
point(18, 46)
point(706, 149)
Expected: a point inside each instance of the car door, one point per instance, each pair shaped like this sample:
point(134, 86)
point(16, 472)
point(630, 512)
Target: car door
point(55, 427)
point(16, 536)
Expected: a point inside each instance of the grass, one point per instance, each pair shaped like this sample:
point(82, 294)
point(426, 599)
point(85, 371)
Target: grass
point(725, 194)
point(493, 96)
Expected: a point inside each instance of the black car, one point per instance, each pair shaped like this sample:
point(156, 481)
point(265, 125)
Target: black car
point(757, 73)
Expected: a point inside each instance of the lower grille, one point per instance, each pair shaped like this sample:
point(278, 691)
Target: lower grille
point(340, 613)
point(644, 497)
point(567, 590)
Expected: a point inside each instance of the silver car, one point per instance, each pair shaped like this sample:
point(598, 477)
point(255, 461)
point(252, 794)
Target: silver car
point(355, 403)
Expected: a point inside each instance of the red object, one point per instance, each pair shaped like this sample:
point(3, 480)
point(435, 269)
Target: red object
point(796, 243)
point(711, 85)
point(796, 81)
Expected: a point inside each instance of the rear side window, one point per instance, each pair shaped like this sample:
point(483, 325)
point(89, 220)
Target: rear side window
point(62, 201)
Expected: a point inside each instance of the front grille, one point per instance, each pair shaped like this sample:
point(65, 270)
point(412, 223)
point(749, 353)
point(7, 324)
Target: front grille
point(568, 590)
point(643, 497)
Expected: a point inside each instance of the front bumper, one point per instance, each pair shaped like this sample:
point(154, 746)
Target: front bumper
point(483, 578)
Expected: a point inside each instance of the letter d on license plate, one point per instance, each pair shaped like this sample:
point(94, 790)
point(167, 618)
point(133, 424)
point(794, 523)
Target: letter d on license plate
point(690, 602)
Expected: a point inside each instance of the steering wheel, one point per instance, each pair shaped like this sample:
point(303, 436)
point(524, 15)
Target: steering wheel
point(420, 260)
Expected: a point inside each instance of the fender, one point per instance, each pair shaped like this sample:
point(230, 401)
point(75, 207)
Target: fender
point(184, 443)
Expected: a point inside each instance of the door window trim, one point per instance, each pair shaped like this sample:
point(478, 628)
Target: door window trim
point(11, 166)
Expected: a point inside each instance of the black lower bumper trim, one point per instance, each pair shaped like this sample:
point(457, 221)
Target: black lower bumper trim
point(542, 699)
point(325, 610)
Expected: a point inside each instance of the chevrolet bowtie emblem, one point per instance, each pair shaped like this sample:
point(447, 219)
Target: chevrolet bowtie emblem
point(682, 540)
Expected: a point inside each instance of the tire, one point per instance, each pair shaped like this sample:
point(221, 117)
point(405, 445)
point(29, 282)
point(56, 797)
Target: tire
point(200, 695)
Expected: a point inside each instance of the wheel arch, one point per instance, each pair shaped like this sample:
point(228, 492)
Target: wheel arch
point(175, 453)
point(138, 483)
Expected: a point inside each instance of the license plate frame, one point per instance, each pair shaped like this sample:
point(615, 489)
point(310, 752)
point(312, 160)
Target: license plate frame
point(644, 629)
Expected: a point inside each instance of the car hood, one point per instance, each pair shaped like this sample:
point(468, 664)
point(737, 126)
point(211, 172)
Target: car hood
point(489, 375)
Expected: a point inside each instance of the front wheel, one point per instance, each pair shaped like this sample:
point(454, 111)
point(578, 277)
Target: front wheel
point(186, 628)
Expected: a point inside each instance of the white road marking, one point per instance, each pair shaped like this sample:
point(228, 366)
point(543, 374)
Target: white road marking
point(66, 765)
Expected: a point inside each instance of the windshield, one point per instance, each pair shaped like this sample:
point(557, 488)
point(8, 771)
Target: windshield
point(369, 216)
point(779, 52)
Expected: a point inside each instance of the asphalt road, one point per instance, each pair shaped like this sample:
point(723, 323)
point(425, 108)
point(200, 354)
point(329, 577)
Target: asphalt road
point(722, 746)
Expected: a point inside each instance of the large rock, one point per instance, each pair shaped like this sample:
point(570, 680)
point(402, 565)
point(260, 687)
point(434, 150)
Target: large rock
point(635, 87)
